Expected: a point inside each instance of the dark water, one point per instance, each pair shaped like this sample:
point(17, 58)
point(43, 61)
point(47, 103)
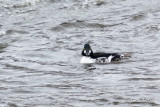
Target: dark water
point(41, 43)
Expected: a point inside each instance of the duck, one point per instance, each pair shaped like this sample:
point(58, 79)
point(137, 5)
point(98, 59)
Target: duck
point(98, 57)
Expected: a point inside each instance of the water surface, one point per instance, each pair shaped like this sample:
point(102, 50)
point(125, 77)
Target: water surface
point(40, 49)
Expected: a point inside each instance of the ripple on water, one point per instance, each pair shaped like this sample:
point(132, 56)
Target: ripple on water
point(10, 104)
point(142, 79)
point(138, 17)
point(2, 46)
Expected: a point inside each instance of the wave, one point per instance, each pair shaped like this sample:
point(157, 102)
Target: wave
point(10, 31)
point(19, 4)
point(77, 24)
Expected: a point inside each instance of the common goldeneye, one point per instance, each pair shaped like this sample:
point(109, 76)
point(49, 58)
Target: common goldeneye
point(98, 57)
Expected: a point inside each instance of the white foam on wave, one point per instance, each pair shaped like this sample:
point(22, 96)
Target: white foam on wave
point(33, 2)
point(92, 2)
point(19, 4)
point(2, 33)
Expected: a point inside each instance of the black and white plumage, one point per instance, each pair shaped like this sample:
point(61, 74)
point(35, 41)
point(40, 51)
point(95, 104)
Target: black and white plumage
point(98, 57)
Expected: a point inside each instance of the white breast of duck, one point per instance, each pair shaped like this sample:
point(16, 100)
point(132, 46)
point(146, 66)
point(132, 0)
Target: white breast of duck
point(87, 60)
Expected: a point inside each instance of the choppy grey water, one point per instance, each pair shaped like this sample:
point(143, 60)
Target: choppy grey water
point(40, 49)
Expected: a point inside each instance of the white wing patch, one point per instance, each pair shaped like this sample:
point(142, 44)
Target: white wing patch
point(104, 59)
point(89, 60)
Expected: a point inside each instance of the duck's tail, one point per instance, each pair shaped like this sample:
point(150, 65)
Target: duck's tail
point(126, 55)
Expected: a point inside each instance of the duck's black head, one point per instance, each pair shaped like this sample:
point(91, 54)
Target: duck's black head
point(87, 51)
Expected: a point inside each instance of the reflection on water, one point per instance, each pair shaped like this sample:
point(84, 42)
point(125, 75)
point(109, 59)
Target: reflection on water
point(89, 67)
point(40, 50)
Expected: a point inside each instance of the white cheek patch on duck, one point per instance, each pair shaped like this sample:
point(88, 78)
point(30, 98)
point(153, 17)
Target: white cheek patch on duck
point(87, 53)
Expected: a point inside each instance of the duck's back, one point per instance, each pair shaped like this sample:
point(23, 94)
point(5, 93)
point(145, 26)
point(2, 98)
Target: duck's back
point(100, 54)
